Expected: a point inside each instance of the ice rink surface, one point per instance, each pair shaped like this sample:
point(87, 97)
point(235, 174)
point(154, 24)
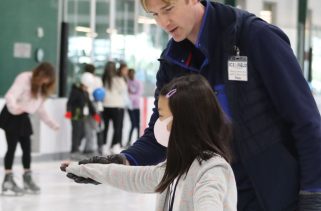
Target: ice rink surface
point(58, 193)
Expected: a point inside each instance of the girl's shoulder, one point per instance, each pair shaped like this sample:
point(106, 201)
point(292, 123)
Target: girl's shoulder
point(24, 76)
point(23, 81)
point(215, 160)
point(119, 80)
point(213, 164)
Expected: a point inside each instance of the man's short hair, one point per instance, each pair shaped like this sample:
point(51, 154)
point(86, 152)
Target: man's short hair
point(144, 3)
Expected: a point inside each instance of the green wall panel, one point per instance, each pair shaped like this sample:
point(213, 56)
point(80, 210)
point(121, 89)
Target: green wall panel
point(19, 20)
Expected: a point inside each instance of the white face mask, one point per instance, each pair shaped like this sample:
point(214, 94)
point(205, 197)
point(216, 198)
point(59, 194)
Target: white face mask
point(161, 132)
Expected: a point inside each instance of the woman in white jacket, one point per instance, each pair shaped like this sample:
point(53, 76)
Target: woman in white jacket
point(114, 104)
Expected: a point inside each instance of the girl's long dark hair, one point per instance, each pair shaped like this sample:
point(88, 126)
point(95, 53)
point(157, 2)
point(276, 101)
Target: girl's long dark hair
point(200, 129)
point(43, 70)
point(109, 73)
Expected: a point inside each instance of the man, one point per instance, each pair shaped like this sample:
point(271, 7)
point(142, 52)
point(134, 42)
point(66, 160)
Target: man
point(251, 67)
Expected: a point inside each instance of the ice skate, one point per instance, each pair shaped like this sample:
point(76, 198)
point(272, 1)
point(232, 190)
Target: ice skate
point(9, 186)
point(29, 185)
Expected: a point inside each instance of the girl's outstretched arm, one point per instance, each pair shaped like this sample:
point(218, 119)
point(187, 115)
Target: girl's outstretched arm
point(140, 179)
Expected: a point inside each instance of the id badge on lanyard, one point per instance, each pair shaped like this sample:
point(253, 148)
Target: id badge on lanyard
point(237, 67)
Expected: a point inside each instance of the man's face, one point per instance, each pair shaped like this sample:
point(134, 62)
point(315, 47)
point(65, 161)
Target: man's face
point(176, 18)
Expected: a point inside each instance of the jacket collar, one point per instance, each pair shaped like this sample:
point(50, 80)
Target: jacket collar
point(207, 33)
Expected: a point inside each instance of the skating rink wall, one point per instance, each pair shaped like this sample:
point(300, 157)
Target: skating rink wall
point(48, 142)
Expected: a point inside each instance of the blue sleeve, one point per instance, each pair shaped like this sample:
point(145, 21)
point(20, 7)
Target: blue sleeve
point(146, 150)
point(273, 58)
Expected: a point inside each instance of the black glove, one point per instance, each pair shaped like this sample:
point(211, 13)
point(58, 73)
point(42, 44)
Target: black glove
point(118, 159)
point(83, 180)
point(309, 201)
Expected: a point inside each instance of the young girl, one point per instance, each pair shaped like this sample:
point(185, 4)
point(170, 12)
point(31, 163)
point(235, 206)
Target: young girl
point(196, 174)
point(26, 96)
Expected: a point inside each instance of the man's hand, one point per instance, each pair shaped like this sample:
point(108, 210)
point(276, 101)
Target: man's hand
point(118, 159)
point(97, 118)
point(68, 115)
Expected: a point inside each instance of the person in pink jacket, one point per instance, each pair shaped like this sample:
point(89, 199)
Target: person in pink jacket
point(26, 96)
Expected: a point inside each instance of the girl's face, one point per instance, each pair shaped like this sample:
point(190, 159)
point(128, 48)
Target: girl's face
point(131, 75)
point(44, 81)
point(124, 71)
point(164, 110)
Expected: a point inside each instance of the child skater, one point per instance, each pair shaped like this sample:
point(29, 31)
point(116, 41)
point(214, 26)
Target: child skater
point(81, 112)
point(196, 174)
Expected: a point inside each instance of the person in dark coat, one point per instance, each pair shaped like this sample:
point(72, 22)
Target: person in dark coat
point(79, 110)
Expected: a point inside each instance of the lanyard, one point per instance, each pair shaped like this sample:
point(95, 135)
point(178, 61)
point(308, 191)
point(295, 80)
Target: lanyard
point(189, 59)
point(172, 198)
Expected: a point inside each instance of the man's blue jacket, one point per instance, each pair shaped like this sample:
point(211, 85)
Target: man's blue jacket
point(277, 131)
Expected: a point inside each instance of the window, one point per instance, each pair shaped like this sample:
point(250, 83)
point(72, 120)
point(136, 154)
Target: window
point(268, 12)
